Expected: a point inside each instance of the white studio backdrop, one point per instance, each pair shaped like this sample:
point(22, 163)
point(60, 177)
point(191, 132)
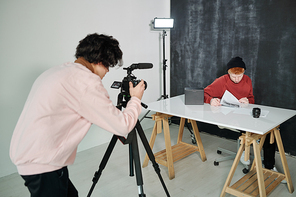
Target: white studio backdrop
point(36, 35)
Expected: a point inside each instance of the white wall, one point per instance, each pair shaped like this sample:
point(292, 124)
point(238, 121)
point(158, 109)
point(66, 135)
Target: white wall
point(36, 35)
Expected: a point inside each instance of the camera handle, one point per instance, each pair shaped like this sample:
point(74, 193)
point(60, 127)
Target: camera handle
point(121, 103)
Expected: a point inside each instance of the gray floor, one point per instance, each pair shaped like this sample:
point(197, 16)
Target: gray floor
point(193, 177)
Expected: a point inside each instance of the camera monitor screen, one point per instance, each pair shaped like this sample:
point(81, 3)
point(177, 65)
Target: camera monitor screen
point(116, 84)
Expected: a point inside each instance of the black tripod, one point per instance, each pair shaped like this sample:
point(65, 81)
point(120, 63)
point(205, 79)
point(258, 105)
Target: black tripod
point(133, 154)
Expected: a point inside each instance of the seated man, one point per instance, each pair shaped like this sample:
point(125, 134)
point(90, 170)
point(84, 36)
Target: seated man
point(240, 85)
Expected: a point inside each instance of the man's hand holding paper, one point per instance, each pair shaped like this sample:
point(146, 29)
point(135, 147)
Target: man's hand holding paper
point(244, 100)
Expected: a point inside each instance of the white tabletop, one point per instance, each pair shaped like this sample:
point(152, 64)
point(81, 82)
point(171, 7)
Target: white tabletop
point(236, 118)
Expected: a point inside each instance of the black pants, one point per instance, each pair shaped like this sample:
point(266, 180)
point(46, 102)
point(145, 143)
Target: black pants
point(269, 153)
point(51, 184)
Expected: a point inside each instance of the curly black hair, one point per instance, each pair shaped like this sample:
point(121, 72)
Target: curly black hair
point(99, 48)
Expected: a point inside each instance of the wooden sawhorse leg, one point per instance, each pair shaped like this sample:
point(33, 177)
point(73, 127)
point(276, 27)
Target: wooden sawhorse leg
point(196, 134)
point(258, 181)
point(164, 157)
point(171, 154)
point(284, 160)
point(156, 128)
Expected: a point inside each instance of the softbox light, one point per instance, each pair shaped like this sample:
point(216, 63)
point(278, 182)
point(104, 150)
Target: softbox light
point(163, 23)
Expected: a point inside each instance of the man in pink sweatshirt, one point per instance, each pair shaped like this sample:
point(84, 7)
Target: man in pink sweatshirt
point(63, 103)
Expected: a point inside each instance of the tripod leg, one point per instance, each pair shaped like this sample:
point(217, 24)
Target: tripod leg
point(151, 155)
point(136, 158)
point(103, 163)
point(131, 159)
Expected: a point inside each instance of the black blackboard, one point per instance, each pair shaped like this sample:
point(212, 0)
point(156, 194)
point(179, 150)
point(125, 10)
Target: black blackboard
point(207, 34)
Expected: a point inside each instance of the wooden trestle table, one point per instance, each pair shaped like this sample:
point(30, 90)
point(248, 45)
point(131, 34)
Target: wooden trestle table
point(259, 181)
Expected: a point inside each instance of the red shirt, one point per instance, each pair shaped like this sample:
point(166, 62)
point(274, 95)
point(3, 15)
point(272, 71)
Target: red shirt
point(242, 89)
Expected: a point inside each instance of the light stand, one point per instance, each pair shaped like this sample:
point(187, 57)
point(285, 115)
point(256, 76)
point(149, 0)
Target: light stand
point(164, 65)
point(162, 23)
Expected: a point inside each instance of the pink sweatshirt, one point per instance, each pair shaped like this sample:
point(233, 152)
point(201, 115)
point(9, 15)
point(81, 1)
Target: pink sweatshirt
point(63, 103)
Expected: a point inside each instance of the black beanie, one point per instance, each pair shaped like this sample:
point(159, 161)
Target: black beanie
point(236, 62)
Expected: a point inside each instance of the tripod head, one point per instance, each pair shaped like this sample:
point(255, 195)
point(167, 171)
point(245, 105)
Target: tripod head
point(124, 95)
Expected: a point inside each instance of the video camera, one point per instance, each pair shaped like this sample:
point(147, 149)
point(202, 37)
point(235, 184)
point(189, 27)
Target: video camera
point(124, 84)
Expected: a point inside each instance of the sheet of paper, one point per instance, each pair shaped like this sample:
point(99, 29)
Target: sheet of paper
point(229, 100)
point(264, 113)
